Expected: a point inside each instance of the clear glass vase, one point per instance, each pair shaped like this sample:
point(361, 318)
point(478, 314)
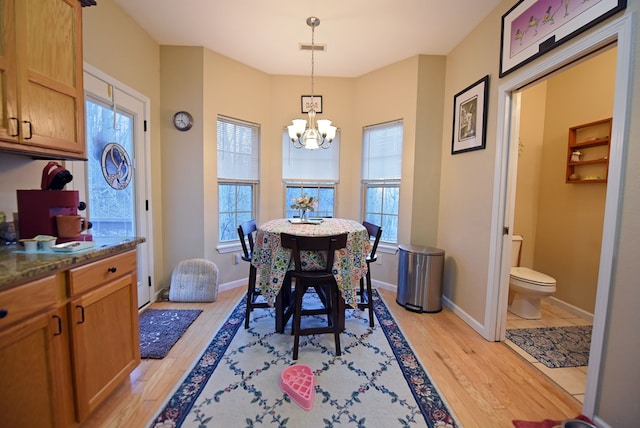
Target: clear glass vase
point(304, 214)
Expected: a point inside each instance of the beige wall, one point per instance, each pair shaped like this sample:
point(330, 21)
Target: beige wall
point(466, 181)
point(183, 160)
point(530, 143)
point(409, 90)
point(428, 150)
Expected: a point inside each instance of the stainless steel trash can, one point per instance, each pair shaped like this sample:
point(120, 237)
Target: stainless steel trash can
point(420, 278)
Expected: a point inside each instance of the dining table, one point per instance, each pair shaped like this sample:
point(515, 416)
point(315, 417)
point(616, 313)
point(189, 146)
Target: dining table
point(272, 261)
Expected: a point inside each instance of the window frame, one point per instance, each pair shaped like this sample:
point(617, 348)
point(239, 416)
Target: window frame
point(329, 181)
point(378, 182)
point(367, 215)
point(239, 219)
point(239, 216)
point(318, 184)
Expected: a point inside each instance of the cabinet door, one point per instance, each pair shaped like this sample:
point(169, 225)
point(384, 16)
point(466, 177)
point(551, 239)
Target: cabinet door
point(8, 102)
point(34, 379)
point(105, 341)
point(49, 42)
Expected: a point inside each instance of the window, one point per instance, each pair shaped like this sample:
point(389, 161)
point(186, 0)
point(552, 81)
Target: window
point(381, 174)
point(324, 194)
point(238, 175)
point(311, 173)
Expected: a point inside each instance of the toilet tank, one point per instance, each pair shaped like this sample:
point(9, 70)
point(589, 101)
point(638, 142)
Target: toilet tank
point(516, 247)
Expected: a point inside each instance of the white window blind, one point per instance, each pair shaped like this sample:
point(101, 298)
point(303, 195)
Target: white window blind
point(304, 164)
point(238, 151)
point(382, 151)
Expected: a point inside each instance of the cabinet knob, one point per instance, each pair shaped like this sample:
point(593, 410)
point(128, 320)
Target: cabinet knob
point(112, 269)
point(3, 313)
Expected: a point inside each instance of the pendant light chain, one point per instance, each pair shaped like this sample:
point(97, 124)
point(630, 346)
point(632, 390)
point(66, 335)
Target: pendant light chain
point(319, 133)
point(313, 50)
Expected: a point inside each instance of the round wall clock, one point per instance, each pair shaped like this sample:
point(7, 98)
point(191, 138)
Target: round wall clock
point(183, 121)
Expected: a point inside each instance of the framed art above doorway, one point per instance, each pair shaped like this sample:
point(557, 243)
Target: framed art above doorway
point(532, 28)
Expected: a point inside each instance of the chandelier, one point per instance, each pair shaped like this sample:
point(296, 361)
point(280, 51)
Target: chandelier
point(320, 133)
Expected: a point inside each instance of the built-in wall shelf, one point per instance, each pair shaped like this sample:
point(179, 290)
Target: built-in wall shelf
point(588, 152)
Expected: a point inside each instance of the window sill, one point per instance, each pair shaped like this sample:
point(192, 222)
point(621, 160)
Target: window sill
point(229, 248)
point(387, 248)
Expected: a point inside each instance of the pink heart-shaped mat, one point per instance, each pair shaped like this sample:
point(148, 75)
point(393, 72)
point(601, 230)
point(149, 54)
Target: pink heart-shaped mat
point(297, 381)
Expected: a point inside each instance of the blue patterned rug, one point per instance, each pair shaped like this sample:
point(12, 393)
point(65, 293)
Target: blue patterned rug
point(555, 346)
point(378, 381)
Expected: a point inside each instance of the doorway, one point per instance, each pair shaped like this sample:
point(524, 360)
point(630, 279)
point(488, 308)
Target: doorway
point(115, 173)
point(561, 220)
point(618, 32)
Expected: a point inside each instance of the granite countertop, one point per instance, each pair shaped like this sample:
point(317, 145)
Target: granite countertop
point(17, 267)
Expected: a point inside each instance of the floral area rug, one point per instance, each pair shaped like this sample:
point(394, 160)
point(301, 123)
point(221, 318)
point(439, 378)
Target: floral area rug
point(555, 346)
point(378, 381)
point(160, 329)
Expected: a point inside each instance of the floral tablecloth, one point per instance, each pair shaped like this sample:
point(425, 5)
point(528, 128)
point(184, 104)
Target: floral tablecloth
point(272, 261)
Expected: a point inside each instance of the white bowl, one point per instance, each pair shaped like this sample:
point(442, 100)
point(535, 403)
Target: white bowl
point(48, 243)
point(30, 245)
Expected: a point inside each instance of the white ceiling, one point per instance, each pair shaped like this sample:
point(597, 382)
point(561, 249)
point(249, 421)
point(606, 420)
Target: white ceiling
point(360, 35)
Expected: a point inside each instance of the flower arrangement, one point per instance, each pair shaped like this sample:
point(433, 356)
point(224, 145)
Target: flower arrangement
point(304, 203)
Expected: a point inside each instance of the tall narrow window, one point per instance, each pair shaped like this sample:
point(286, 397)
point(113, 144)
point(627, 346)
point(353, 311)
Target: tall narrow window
point(311, 173)
point(238, 175)
point(381, 175)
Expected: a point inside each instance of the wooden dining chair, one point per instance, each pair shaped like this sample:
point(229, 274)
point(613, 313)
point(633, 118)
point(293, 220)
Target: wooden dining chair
point(284, 299)
point(322, 280)
point(366, 293)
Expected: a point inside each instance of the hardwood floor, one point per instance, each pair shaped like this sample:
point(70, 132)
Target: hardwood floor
point(485, 383)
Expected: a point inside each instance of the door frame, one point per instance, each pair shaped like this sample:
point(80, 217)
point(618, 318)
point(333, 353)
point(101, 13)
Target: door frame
point(619, 31)
point(145, 250)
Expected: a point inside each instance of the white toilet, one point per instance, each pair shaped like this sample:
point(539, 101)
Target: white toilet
point(526, 286)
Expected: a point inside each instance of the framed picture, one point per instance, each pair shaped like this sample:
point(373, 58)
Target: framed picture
point(470, 117)
point(306, 103)
point(532, 28)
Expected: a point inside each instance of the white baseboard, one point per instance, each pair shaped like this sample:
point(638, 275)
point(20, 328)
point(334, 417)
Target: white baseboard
point(233, 284)
point(479, 328)
point(385, 285)
point(580, 313)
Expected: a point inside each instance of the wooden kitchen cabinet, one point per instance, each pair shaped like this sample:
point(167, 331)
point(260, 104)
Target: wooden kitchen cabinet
point(42, 112)
point(67, 341)
point(105, 339)
point(35, 378)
